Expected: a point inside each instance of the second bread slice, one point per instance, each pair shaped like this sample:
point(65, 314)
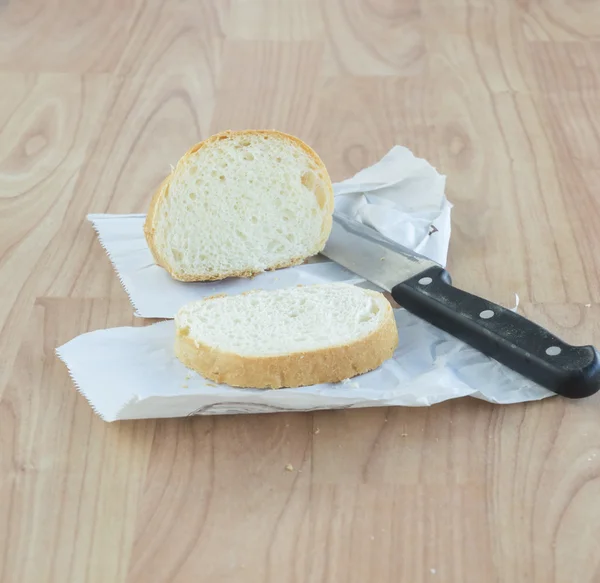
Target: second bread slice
point(287, 338)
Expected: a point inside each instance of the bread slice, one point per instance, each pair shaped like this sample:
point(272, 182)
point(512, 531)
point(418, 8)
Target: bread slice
point(238, 204)
point(289, 337)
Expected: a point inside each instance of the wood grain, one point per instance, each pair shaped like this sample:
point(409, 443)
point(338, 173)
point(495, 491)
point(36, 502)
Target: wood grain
point(282, 76)
point(66, 36)
point(373, 37)
point(98, 98)
point(70, 483)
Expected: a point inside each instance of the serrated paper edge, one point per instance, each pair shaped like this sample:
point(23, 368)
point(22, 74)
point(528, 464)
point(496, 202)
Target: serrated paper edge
point(114, 265)
point(107, 419)
point(76, 384)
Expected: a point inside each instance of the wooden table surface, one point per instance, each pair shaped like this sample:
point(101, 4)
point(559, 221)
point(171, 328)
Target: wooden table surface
point(97, 98)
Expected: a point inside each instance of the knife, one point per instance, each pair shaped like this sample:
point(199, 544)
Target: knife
point(424, 288)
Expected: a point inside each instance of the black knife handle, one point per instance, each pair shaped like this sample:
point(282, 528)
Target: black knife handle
point(515, 341)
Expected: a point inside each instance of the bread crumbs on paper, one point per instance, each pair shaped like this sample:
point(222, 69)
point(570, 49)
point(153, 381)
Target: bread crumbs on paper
point(289, 468)
point(317, 430)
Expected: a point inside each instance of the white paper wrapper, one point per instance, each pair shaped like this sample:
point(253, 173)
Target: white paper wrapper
point(401, 196)
point(132, 373)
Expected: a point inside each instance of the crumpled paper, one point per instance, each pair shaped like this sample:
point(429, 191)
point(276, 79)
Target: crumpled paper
point(401, 196)
point(132, 373)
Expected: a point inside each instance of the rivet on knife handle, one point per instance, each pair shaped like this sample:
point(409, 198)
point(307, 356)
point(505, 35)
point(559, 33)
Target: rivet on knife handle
point(522, 345)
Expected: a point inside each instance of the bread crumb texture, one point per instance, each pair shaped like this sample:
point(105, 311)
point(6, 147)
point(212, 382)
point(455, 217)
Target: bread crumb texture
point(238, 204)
point(287, 338)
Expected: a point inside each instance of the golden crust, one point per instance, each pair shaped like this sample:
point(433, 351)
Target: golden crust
point(149, 222)
point(162, 191)
point(298, 369)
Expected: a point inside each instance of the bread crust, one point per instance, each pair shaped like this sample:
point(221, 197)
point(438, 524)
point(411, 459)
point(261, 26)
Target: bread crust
point(163, 189)
point(298, 369)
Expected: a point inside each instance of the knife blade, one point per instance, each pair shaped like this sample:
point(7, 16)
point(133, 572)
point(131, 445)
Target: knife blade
point(424, 288)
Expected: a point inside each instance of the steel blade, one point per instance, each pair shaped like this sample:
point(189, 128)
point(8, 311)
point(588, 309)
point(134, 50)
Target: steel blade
point(372, 256)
